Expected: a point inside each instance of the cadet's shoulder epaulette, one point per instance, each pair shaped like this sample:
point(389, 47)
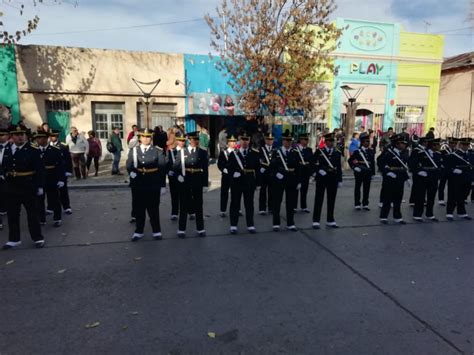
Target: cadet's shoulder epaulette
point(34, 145)
point(255, 150)
point(64, 144)
point(337, 150)
point(204, 149)
point(55, 146)
point(159, 148)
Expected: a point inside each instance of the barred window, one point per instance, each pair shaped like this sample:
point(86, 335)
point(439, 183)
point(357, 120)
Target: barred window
point(57, 105)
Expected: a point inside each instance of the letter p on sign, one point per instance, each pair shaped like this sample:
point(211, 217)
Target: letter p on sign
point(354, 67)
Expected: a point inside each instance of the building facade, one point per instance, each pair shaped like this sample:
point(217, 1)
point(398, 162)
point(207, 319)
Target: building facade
point(10, 107)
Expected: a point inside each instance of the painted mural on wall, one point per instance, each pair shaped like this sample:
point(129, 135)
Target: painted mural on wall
point(216, 104)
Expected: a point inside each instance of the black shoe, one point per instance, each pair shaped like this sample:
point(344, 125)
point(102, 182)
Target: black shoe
point(174, 217)
point(467, 218)
point(366, 208)
point(1, 226)
point(233, 231)
point(222, 214)
point(433, 219)
point(181, 235)
point(192, 217)
point(384, 221)
point(240, 213)
point(252, 231)
point(57, 224)
point(39, 244)
point(202, 234)
point(157, 236)
point(401, 222)
point(276, 228)
point(316, 225)
point(450, 217)
point(137, 236)
point(306, 210)
point(68, 211)
point(133, 220)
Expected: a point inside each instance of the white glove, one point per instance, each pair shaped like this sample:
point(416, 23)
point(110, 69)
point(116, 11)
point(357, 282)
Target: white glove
point(225, 171)
point(40, 192)
point(2, 177)
point(262, 170)
point(339, 185)
point(457, 171)
point(322, 172)
point(279, 176)
point(60, 184)
point(68, 174)
point(298, 187)
point(133, 175)
point(163, 190)
point(392, 175)
point(422, 173)
point(171, 173)
point(205, 189)
point(181, 178)
point(357, 169)
point(236, 175)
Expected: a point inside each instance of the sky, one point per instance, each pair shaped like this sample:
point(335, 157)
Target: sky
point(84, 25)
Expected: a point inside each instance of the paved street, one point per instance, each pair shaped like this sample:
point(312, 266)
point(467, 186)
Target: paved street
point(362, 289)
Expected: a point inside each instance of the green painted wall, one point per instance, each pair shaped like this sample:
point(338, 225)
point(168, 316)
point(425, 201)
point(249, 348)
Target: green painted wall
point(8, 81)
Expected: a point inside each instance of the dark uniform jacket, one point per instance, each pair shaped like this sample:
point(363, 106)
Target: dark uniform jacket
point(54, 164)
point(24, 169)
point(307, 161)
point(250, 165)
point(460, 160)
point(357, 161)
point(66, 156)
point(223, 161)
point(389, 162)
point(292, 160)
point(196, 165)
point(320, 163)
point(150, 167)
point(419, 161)
point(266, 156)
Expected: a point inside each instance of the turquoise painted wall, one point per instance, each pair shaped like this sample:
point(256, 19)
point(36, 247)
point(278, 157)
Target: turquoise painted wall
point(8, 81)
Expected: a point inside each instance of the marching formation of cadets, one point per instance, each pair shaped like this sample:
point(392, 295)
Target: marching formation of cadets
point(35, 172)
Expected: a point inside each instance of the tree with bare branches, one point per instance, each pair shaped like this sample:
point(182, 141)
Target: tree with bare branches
point(275, 51)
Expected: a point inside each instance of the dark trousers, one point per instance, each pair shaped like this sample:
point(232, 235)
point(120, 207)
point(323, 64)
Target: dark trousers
point(237, 190)
point(303, 192)
point(416, 185)
point(16, 197)
point(286, 187)
point(442, 185)
point(225, 187)
point(54, 204)
point(79, 164)
point(393, 194)
point(96, 163)
point(3, 200)
point(147, 201)
point(457, 188)
point(426, 191)
point(364, 183)
point(382, 190)
point(174, 192)
point(190, 200)
point(325, 184)
point(64, 196)
point(265, 198)
point(134, 202)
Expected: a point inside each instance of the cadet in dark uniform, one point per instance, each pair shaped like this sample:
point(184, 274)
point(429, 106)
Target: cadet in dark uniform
point(305, 154)
point(265, 198)
point(64, 191)
point(327, 167)
point(285, 169)
point(24, 175)
point(226, 178)
point(420, 147)
point(393, 164)
point(427, 165)
point(173, 182)
point(446, 149)
point(244, 163)
point(146, 165)
point(4, 145)
point(362, 162)
point(54, 180)
point(460, 169)
point(191, 169)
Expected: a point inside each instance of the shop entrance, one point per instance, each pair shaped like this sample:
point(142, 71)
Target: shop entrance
point(364, 118)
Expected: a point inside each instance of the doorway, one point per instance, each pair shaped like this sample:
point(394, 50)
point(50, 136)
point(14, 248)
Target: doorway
point(364, 118)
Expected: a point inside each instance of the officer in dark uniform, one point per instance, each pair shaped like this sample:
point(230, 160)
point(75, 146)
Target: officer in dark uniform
point(54, 180)
point(226, 178)
point(459, 166)
point(446, 149)
point(191, 169)
point(24, 175)
point(64, 191)
point(243, 166)
point(426, 165)
point(305, 154)
point(420, 147)
point(173, 182)
point(393, 164)
point(362, 162)
point(328, 170)
point(146, 165)
point(265, 198)
point(4, 145)
point(286, 179)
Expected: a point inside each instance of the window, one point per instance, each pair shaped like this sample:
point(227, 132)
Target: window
point(107, 116)
point(410, 117)
point(163, 114)
point(57, 105)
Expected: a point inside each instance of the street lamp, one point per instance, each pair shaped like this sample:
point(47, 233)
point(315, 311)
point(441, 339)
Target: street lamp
point(351, 109)
point(147, 95)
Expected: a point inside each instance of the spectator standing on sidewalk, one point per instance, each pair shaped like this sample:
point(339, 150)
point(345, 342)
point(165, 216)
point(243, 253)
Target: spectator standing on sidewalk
point(95, 152)
point(204, 139)
point(133, 133)
point(115, 143)
point(79, 148)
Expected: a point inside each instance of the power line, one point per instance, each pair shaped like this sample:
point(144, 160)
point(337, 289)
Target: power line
point(118, 28)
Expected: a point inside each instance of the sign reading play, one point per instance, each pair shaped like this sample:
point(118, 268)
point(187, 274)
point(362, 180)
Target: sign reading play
point(370, 69)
